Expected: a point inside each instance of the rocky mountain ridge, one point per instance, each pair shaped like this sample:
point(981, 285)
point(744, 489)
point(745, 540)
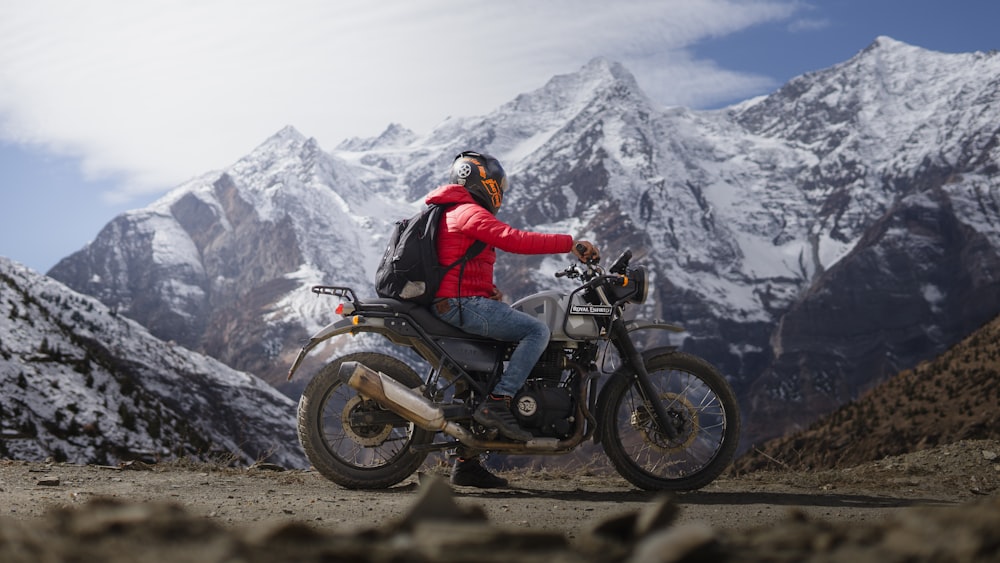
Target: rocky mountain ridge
point(812, 242)
point(81, 383)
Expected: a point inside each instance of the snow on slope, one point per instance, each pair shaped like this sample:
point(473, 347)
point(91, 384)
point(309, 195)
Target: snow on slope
point(81, 383)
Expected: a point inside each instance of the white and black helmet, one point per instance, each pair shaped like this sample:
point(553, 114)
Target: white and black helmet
point(483, 176)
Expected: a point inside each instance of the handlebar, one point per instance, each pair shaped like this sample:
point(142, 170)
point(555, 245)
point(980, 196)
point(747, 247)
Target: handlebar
point(574, 272)
point(592, 270)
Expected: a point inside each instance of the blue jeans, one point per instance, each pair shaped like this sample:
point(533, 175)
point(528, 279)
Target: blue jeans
point(492, 319)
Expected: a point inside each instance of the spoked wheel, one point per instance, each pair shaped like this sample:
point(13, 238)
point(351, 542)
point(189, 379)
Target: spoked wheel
point(352, 440)
point(702, 408)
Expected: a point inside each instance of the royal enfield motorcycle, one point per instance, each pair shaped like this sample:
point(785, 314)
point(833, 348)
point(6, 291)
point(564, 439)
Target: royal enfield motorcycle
point(666, 419)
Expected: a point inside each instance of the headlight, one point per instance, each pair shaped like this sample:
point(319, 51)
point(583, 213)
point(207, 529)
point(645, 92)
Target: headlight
point(640, 282)
point(631, 287)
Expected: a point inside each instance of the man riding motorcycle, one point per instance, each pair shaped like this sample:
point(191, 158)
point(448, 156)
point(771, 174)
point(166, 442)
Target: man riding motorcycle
point(469, 299)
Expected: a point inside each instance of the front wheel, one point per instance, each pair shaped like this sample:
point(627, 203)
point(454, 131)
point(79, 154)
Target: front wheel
point(345, 449)
point(702, 407)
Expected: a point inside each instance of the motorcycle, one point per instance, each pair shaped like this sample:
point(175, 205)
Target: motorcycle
point(666, 419)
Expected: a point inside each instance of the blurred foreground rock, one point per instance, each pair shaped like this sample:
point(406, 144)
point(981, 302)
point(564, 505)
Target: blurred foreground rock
point(962, 533)
point(437, 529)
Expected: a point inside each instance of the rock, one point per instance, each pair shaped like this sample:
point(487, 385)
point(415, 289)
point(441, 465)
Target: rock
point(695, 540)
point(442, 530)
point(436, 502)
point(628, 527)
point(614, 537)
point(264, 466)
point(480, 541)
point(657, 516)
point(48, 482)
point(135, 465)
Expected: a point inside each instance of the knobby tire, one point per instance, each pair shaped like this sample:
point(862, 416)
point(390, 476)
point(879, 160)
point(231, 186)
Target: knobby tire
point(373, 457)
point(703, 408)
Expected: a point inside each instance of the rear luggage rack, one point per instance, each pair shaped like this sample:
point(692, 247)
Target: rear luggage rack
point(336, 291)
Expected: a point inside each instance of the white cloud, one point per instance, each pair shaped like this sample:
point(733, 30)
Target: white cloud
point(808, 24)
point(162, 90)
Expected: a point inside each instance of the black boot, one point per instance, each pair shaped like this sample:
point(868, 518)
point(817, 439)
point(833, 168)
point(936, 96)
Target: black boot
point(468, 472)
point(494, 412)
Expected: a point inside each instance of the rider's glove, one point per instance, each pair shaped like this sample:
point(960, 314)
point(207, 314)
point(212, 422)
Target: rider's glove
point(585, 251)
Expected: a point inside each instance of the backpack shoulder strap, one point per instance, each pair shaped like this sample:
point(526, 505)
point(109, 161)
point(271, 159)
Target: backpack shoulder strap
point(474, 249)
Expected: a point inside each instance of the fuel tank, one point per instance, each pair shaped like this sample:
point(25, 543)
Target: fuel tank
point(567, 320)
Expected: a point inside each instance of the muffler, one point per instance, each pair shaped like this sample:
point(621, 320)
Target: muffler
point(411, 405)
point(393, 395)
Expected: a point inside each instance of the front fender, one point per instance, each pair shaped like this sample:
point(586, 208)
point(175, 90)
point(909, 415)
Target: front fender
point(640, 324)
point(349, 325)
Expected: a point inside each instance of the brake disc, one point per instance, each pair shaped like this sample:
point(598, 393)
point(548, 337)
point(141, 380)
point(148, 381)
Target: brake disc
point(680, 409)
point(367, 435)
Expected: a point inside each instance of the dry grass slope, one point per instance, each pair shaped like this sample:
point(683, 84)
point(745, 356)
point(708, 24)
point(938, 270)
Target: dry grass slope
point(954, 397)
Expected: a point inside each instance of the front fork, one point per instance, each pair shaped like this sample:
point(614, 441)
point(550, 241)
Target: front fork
point(627, 349)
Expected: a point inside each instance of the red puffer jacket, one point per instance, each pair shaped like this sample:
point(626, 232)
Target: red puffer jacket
point(467, 222)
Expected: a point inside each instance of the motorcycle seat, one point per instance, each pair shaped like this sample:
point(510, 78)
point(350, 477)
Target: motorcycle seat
point(420, 315)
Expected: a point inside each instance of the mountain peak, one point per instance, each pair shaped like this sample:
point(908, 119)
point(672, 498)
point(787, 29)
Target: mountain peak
point(395, 135)
point(601, 70)
point(885, 48)
point(886, 42)
point(288, 133)
point(602, 65)
point(566, 93)
point(288, 140)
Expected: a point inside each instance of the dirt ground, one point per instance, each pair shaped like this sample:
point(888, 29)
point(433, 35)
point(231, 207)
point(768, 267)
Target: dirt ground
point(556, 511)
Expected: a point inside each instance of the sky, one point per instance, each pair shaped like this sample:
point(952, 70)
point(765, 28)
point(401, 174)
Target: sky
point(106, 105)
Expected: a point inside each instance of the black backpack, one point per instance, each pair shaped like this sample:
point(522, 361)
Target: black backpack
point(409, 269)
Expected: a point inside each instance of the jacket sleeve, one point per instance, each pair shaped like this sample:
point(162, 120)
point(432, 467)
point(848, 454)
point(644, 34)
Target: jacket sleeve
point(478, 223)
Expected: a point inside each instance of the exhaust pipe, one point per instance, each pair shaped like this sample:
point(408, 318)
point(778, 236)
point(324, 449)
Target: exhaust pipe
point(393, 395)
point(411, 405)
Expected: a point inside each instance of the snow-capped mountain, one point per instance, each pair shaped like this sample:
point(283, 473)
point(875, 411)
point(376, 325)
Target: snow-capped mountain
point(812, 241)
point(80, 383)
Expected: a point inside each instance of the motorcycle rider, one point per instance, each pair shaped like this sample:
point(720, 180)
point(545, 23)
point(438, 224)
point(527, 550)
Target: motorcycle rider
point(469, 299)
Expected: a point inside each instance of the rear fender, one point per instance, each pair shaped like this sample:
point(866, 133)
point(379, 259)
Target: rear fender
point(350, 325)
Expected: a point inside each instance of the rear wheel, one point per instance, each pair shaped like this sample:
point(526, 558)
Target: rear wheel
point(342, 447)
point(702, 408)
